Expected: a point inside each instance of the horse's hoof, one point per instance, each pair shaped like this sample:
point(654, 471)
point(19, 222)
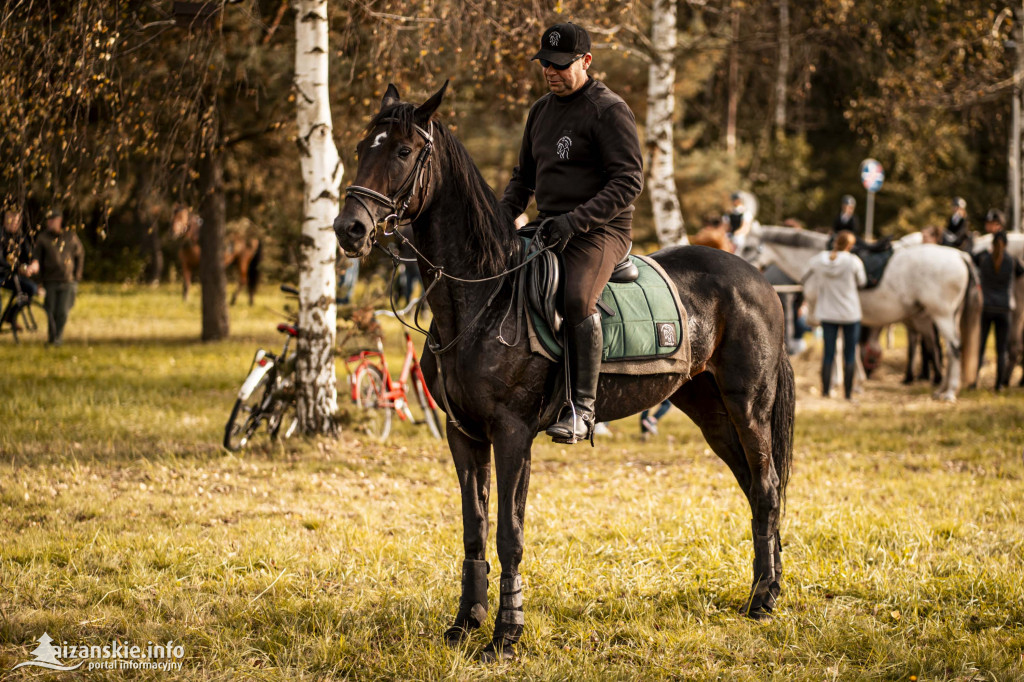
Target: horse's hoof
point(907, 381)
point(761, 616)
point(456, 635)
point(492, 654)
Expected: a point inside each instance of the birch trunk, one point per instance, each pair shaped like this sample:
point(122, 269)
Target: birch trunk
point(661, 79)
point(321, 173)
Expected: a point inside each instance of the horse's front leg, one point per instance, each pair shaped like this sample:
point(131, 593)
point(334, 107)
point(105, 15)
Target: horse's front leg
point(473, 466)
point(512, 464)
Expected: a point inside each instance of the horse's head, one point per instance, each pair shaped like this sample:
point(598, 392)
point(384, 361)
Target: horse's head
point(393, 171)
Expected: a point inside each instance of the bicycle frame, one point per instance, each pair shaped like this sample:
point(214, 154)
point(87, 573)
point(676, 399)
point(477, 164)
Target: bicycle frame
point(262, 363)
point(394, 395)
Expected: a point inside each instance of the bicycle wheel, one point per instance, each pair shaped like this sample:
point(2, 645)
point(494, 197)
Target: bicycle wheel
point(246, 416)
point(429, 414)
point(376, 416)
point(33, 315)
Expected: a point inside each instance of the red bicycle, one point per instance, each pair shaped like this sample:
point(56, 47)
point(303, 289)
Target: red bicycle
point(380, 396)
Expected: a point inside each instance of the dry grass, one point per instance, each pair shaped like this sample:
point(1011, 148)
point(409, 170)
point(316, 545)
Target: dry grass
point(339, 558)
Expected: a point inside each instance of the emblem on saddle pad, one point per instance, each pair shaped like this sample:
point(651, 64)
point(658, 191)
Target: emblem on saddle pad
point(666, 334)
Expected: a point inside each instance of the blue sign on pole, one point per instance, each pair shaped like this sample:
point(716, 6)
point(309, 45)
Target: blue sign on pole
point(872, 175)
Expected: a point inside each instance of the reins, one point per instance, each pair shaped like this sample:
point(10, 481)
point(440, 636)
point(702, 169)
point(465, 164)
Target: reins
point(398, 205)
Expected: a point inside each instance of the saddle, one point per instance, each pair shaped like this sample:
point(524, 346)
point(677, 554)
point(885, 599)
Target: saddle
point(544, 276)
point(875, 257)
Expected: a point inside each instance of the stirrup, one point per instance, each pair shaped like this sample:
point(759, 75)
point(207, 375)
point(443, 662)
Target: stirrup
point(572, 439)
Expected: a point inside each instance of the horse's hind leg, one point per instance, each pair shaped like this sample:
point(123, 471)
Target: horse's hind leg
point(702, 400)
point(947, 328)
point(473, 467)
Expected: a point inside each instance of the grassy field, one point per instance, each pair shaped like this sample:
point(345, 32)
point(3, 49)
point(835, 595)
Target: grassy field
point(338, 559)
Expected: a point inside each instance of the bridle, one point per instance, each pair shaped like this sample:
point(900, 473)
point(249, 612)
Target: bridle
point(398, 204)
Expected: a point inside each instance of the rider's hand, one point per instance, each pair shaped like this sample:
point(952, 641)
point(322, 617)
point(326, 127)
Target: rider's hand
point(558, 231)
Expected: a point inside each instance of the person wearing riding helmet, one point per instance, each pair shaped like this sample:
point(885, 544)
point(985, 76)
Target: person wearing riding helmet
point(581, 160)
point(997, 272)
point(847, 218)
point(957, 230)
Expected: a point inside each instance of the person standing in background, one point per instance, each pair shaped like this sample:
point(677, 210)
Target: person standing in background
point(832, 282)
point(59, 257)
point(997, 271)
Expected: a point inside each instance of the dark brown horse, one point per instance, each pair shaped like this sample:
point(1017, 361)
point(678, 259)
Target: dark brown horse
point(739, 389)
point(242, 250)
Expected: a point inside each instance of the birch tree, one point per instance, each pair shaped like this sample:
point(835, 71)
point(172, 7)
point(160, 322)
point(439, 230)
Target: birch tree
point(321, 173)
point(661, 99)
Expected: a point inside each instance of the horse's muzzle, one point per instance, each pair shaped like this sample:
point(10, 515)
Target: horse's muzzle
point(353, 235)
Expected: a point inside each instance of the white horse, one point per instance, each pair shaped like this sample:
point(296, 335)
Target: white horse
point(922, 284)
point(1014, 247)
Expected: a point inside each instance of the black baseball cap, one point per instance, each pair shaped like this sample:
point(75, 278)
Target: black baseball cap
point(562, 42)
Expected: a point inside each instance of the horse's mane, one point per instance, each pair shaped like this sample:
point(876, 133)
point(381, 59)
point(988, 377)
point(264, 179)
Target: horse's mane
point(488, 226)
point(789, 236)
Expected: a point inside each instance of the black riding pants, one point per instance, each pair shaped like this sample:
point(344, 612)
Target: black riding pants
point(1001, 321)
point(588, 260)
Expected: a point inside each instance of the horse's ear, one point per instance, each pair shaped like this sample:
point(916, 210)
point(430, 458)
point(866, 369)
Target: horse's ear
point(427, 109)
point(391, 97)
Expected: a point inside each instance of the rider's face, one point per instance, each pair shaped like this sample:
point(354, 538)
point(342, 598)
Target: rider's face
point(564, 82)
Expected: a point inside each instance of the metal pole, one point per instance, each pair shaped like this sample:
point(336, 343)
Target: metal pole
point(869, 229)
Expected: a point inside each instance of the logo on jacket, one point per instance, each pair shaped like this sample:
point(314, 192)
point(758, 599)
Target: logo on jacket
point(554, 38)
point(563, 145)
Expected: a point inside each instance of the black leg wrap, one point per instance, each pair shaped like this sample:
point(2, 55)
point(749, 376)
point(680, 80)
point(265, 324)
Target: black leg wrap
point(765, 586)
point(473, 603)
point(508, 625)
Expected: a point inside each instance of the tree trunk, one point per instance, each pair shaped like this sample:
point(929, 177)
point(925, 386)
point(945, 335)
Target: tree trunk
point(734, 82)
point(661, 81)
point(211, 243)
point(782, 73)
point(321, 172)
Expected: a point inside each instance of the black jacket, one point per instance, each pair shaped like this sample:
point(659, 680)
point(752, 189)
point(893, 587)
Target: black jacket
point(997, 285)
point(580, 155)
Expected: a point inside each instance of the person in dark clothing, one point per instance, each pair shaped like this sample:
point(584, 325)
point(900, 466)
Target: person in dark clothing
point(847, 218)
point(995, 221)
point(957, 230)
point(997, 271)
point(410, 275)
point(59, 256)
point(581, 160)
point(16, 262)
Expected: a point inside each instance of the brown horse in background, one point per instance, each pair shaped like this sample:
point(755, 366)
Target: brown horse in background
point(242, 250)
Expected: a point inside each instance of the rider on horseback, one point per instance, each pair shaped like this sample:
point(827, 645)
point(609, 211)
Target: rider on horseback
point(581, 157)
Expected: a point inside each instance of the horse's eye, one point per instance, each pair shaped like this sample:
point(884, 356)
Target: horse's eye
point(404, 152)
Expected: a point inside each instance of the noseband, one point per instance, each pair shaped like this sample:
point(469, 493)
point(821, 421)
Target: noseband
point(414, 182)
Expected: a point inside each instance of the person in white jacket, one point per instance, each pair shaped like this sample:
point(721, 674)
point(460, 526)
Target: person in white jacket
point(832, 282)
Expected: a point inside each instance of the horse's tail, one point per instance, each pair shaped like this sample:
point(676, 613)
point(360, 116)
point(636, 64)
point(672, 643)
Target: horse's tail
point(253, 274)
point(783, 412)
point(970, 325)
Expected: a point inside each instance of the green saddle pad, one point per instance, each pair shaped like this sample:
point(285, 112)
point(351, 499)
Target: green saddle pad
point(645, 322)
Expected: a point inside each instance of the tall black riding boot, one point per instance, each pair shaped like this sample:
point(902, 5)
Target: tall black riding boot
point(576, 424)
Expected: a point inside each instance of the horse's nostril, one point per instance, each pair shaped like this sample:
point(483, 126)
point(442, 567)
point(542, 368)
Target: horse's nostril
point(356, 229)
